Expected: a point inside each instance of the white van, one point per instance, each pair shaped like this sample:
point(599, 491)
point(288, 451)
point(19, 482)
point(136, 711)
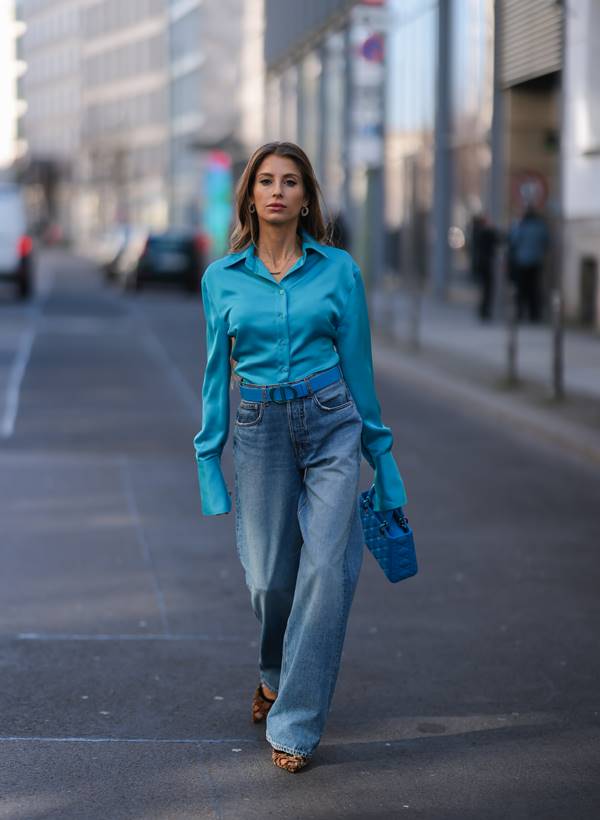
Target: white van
point(16, 263)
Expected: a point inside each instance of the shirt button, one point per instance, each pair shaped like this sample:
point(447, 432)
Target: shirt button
point(282, 292)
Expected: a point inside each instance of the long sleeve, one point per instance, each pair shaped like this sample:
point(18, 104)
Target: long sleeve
point(209, 442)
point(354, 348)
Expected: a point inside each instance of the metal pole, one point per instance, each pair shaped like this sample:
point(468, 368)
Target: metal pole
point(558, 389)
point(496, 202)
point(414, 258)
point(442, 181)
point(323, 138)
point(557, 343)
point(512, 337)
point(348, 136)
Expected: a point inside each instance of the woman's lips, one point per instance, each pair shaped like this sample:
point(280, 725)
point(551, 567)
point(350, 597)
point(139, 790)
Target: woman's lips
point(276, 207)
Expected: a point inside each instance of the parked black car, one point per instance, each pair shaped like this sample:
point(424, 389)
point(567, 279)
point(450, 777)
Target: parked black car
point(173, 256)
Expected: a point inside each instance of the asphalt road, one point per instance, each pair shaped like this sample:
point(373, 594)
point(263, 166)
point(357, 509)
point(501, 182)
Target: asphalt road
point(127, 643)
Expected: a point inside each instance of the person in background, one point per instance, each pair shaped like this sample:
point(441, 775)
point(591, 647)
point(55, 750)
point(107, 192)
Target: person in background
point(528, 243)
point(484, 239)
point(340, 232)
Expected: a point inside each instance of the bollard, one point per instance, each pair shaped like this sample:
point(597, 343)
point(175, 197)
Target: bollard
point(512, 337)
point(558, 389)
point(415, 316)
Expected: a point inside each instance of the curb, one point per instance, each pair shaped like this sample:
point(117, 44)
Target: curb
point(476, 399)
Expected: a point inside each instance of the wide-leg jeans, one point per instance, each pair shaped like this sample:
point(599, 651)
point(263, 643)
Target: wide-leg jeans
point(299, 538)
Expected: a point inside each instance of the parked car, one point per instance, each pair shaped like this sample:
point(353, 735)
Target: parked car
point(175, 256)
point(16, 246)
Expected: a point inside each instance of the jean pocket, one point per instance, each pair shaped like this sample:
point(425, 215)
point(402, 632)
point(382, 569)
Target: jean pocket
point(249, 413)
point(333, 397)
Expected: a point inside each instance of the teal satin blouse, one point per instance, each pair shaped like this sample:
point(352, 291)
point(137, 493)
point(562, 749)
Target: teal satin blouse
point(315, 317)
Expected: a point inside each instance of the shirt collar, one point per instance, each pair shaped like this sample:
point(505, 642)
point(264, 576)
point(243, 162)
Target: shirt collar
point(249, 254)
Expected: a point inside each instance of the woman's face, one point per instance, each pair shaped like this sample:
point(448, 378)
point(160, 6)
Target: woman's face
point(278, 191)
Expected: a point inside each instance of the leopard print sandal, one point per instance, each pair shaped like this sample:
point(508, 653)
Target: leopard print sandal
point(289, 762)
point(260, 705)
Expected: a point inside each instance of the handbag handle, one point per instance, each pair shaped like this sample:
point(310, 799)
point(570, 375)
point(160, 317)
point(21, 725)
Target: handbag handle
point(397, 513)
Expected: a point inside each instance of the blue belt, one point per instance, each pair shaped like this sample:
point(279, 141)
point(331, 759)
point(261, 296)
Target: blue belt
point(279, 392)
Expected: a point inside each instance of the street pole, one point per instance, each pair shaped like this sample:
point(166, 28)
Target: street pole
point(348, 160)
point(413, 255)
point(496, 202)
point(512, 344)
point(442, 168)
point(558, 389)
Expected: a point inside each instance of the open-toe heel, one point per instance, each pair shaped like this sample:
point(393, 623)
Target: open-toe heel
point(260, 705)
point(289, 762)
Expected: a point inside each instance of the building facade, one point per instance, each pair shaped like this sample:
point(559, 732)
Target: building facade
point(529, 78)
point(49, 128)
point(11, 69)
point(206, 52)
point(358, 85)
point(419, 116)
point(125, 111)
point(127, 100)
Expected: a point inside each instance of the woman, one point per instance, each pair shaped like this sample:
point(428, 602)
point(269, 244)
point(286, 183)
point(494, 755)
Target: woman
point(294, 308)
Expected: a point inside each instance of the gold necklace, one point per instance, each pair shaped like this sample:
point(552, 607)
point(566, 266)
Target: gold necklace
point(289, 256)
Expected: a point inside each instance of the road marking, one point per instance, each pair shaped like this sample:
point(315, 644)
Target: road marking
point(406, 730)
point(187, 741)
point(155, 348)
point(134, 512)
point(45, 636)
point(13, 389)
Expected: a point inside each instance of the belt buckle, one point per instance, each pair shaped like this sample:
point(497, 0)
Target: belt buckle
point(283, 388)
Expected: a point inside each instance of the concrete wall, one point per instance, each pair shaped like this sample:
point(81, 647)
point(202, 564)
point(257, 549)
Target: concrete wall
point(581, 153)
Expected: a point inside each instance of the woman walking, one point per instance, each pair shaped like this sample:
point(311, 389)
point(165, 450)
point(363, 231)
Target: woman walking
point(286, 314)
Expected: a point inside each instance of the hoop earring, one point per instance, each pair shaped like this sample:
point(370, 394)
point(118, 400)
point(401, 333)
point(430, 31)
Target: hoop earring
point(252, 207)
point(304, 211)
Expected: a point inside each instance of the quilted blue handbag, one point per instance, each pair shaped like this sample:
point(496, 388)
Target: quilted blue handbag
point(389, 537)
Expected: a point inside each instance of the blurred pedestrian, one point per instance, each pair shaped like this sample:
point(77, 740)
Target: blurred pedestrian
point(340, 232)
point(293, 307)
point(528, 242)
point(484, 239)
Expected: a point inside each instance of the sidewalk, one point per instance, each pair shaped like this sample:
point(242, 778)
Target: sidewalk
point(466, 358)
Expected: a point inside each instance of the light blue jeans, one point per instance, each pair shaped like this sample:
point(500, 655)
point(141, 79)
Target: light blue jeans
point(299, 538)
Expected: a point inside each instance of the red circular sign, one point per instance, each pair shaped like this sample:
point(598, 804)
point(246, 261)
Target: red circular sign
point(530, 188)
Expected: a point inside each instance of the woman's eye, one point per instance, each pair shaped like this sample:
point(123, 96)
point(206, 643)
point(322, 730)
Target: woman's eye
point(291, 182)
point(265, 181)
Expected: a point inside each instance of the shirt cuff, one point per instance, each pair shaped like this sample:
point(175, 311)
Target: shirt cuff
point(389, 487)
point(214, 495)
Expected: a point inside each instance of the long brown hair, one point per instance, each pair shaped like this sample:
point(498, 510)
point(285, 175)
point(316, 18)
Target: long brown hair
point(246, 225)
